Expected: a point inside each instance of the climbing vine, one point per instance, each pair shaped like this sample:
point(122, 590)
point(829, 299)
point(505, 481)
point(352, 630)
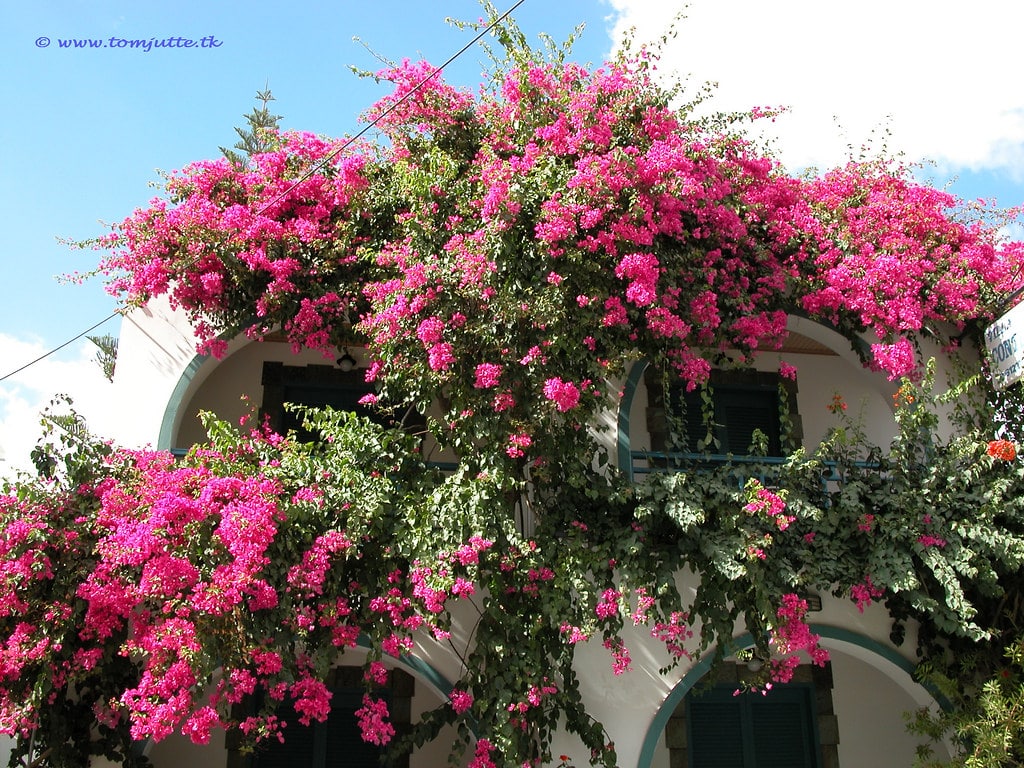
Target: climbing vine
point(502, 256)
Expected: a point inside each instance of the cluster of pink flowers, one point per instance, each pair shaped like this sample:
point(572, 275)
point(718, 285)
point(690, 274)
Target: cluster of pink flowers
point(373, 721)
point(421, 99)
point(893, 254)
point(564, 394)
point(517, 444)
point(482, 755)
point(574, 634)
point(487, 375)
point(310, 575)
point(312, 699)
point(21, 563)
point(674, 633)
point(461, 700)
point(199, 724)
point(791, 636)
point(644, 603)
point(171, 552)
point(253, 206)
point(608, 606)
point(534, 696)
point(704, 252)
point(641, 269)
point(898, 358)
point(864, 593)
point(768, 504)
point(621, 659)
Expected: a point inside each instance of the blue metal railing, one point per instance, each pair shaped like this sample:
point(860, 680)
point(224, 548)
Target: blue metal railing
point(759, 467)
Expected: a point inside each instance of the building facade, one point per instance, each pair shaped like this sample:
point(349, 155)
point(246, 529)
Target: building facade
point(848, 713)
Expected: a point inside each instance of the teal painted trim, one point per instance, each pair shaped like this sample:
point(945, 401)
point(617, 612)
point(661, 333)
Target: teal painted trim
point(867, 643)
point(676, 695)
point(417, 664)
point(420, 667)
point(887, 653)
point(175, 403)
point(625, 406)
point(428, 673)
point(701, 668)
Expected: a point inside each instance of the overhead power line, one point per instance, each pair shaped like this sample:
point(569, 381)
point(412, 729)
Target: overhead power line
point(45, 355)
point(316, 166)
point(437, 70)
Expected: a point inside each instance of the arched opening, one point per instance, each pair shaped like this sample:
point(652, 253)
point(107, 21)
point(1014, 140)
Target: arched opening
point(413, 687)
point(826, 366)
point(849, 713)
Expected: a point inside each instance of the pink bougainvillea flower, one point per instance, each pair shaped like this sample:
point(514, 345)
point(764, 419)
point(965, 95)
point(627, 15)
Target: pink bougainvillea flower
point(564, 394)
point(864, 593)
point(896, 359)
point(461, 700)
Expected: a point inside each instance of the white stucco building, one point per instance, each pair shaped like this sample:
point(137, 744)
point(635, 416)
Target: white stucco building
point(846, 715)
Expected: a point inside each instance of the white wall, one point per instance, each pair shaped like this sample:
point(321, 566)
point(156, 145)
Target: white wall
point(870, 707)
point(156, 348)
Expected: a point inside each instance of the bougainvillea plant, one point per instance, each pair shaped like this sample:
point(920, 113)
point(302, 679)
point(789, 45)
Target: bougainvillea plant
point(502, 256)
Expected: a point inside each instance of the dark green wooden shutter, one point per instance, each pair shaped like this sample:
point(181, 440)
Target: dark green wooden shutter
point(781, 729)
point(319, 386)
point(693, 418)
point(738, 411)
point(344, 743)
point(337, 742)
point(298, 748)
point(751, 730)
point(714, 732)
point(741, 410)
point(339, 396)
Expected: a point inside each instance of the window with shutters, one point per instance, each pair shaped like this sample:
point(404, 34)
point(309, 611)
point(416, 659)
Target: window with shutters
point(319, 386)
point(338, 740)
point(793, 726)
point(751, 730)
point(334, 742)
point(734, 412)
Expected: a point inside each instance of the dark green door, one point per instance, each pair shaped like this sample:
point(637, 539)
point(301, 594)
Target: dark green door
point(750, 730)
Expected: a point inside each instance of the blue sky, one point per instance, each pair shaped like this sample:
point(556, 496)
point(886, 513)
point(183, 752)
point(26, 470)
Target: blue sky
point(86, 129)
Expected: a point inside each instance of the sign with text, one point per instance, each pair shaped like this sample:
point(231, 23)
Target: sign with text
point(1005, 342)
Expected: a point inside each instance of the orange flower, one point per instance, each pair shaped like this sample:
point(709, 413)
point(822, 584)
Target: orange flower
point(1002, 449)
point(837, 403)
point(904, 396)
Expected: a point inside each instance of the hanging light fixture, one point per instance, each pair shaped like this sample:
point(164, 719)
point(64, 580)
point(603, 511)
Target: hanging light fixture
point(346, 362)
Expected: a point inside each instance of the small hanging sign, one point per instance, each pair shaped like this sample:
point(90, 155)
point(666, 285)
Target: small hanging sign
point(1004, 340)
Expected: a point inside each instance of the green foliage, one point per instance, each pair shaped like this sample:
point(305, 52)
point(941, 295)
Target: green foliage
point(66, 451)
point(935, 529)
point(259, 136)
point(503, 260)
point(985, 715)
point(106, 353)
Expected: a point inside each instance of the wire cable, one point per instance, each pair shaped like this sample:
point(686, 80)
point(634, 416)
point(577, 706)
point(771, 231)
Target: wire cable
point(412, 91)
point(316, 166)
point(45, 355)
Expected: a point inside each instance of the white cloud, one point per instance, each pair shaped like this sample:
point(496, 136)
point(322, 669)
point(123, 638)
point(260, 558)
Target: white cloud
point(939, 75)
point(26, 394)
